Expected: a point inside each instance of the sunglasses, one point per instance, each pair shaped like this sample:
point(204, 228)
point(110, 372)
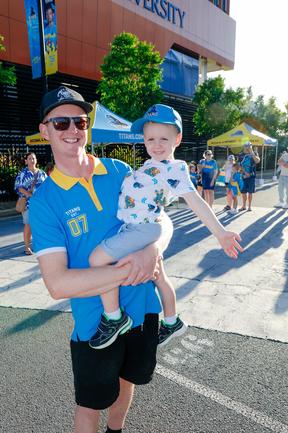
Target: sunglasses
point(63, 123)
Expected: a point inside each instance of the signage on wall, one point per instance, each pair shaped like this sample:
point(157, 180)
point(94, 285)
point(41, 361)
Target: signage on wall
point(165, 9)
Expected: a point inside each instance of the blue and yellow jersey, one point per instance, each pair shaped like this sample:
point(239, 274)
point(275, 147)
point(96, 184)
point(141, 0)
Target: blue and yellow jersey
point(236, 184)
point(74, 215)
point(208, 167)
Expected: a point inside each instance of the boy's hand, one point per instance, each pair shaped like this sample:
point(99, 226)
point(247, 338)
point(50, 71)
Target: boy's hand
point(144, 265)
point(229, 243)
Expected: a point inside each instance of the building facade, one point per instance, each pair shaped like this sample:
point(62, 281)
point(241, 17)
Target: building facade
point(193, 36)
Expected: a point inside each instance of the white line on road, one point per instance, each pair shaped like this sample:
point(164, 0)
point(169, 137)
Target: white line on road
point(240, 408)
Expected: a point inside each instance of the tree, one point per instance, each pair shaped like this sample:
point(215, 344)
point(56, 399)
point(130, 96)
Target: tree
point(7, 74)
point(130, 77)
point(218, 110)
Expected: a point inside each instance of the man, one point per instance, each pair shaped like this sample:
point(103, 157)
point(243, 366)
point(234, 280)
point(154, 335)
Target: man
point(283, 181)
point(248, 160)
point(73, 211)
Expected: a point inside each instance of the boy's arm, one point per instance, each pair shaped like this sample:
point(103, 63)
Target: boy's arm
point(228, 240)
point(63, 283)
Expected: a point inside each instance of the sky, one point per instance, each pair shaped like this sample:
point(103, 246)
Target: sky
point(261, 52)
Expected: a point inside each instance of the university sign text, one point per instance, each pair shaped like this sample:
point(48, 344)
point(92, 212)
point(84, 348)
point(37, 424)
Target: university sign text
point(164, 9)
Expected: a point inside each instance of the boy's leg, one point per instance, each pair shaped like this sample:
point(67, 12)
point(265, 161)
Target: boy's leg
point(118, 411)
point(113, 321)
point(172, 326)
point(86, 420)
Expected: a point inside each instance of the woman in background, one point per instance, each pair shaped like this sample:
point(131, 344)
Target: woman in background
point(209, 171)
point(27, 181)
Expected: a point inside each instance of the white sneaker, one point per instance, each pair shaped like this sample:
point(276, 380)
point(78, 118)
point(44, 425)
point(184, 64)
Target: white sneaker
point(233, 211)
point(285, 206)
point(279, 204)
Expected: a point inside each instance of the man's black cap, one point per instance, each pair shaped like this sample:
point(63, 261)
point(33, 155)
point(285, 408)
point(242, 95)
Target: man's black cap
point(62, 95)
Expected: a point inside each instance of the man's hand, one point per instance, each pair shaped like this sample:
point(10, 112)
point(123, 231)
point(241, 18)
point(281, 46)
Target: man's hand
point(144, 265)
point(229, 243)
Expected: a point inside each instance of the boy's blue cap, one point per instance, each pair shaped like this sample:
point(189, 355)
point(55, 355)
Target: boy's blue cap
point(158, 113)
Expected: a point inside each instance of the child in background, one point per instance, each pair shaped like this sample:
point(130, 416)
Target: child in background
point(144, 194)
point(194, 175)
point(228, 171)
point(234, 187)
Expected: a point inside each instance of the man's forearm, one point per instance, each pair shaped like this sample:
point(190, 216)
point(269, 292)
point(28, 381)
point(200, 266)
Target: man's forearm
point(63, 283)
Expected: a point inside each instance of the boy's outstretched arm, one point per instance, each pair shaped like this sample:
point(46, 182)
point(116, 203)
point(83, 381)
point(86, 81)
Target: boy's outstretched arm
point(227, 239)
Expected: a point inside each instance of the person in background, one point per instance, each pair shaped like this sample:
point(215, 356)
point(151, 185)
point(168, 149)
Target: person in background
point(283, 181)
point(49, 168)
point(199, 183)
point(209, 172)
point(194, 175)
point(234, 187)
point(26, 183)
point(248, 159)
point(228, 170)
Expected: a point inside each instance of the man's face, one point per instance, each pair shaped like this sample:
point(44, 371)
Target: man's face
point(49, 16)
point(69, 143)
point(161, 140)
point(247, 149)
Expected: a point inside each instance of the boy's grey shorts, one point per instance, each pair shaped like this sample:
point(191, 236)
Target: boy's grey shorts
point(131, 238)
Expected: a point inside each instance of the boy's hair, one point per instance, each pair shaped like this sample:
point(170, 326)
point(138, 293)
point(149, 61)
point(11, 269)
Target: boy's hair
point(236, 165)
point(193, 163)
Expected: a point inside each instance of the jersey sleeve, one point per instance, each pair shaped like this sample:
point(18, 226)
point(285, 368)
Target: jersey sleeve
point(179, 180)
point(47, 233)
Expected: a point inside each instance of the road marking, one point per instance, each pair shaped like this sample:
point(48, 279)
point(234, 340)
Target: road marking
point(240, 408)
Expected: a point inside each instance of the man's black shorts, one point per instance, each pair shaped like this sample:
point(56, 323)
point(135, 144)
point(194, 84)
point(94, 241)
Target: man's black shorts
point(132, 357)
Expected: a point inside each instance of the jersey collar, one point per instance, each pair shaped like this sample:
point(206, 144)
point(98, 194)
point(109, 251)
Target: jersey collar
point(66, 182)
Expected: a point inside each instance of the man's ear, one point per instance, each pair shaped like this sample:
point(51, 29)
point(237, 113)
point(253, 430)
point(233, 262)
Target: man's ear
point(43, 131)
point(178, 139)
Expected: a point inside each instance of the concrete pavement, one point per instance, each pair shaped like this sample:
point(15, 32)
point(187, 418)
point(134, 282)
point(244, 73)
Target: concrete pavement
point(248, 296)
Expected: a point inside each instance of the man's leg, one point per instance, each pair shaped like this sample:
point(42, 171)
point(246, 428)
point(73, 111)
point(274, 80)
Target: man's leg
point(281, 189)
point(86, 420)
point(250, 195)
point(118, 411)
point(244, 199)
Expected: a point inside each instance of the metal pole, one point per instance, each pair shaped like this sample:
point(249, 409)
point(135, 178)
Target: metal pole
point(42, 48)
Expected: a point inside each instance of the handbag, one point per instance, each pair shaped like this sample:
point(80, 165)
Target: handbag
point(21, 204)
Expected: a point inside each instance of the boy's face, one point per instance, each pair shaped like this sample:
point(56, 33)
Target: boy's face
point(161, 140)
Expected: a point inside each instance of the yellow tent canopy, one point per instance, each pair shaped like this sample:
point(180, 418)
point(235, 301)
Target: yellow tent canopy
point(236, 137)
point(36, 139)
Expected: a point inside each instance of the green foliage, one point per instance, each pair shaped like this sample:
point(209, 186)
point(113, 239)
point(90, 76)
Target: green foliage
point(10, 165)
point(126, 154)
point(218, 109)
point(7, 75)
point(130, 76)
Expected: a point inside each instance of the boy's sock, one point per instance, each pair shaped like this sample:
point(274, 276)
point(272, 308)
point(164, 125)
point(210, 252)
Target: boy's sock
point(170, 320)
point(114, 315)
point(109, 430)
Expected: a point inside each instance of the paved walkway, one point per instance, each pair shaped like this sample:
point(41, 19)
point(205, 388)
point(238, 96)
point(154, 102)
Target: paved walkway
point(248, 296)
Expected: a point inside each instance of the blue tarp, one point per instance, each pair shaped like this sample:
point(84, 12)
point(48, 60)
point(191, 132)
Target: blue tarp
point(108, 127)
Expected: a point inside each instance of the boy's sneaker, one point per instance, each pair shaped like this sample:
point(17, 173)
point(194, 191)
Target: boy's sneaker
point(167, 332)
point(227, 207)
point(233, 211)
point(108, 330)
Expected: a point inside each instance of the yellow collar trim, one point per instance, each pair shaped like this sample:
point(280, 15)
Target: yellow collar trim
point(67, 182)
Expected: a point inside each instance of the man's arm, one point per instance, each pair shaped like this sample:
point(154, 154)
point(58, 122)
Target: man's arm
point(228, 240)
point(63, 283)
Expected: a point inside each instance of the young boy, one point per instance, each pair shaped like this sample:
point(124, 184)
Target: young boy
point(143, 196)
point(234, 187)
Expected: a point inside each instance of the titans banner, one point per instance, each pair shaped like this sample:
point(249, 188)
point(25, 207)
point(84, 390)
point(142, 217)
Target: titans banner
point(49, 25)
point(32, 20)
